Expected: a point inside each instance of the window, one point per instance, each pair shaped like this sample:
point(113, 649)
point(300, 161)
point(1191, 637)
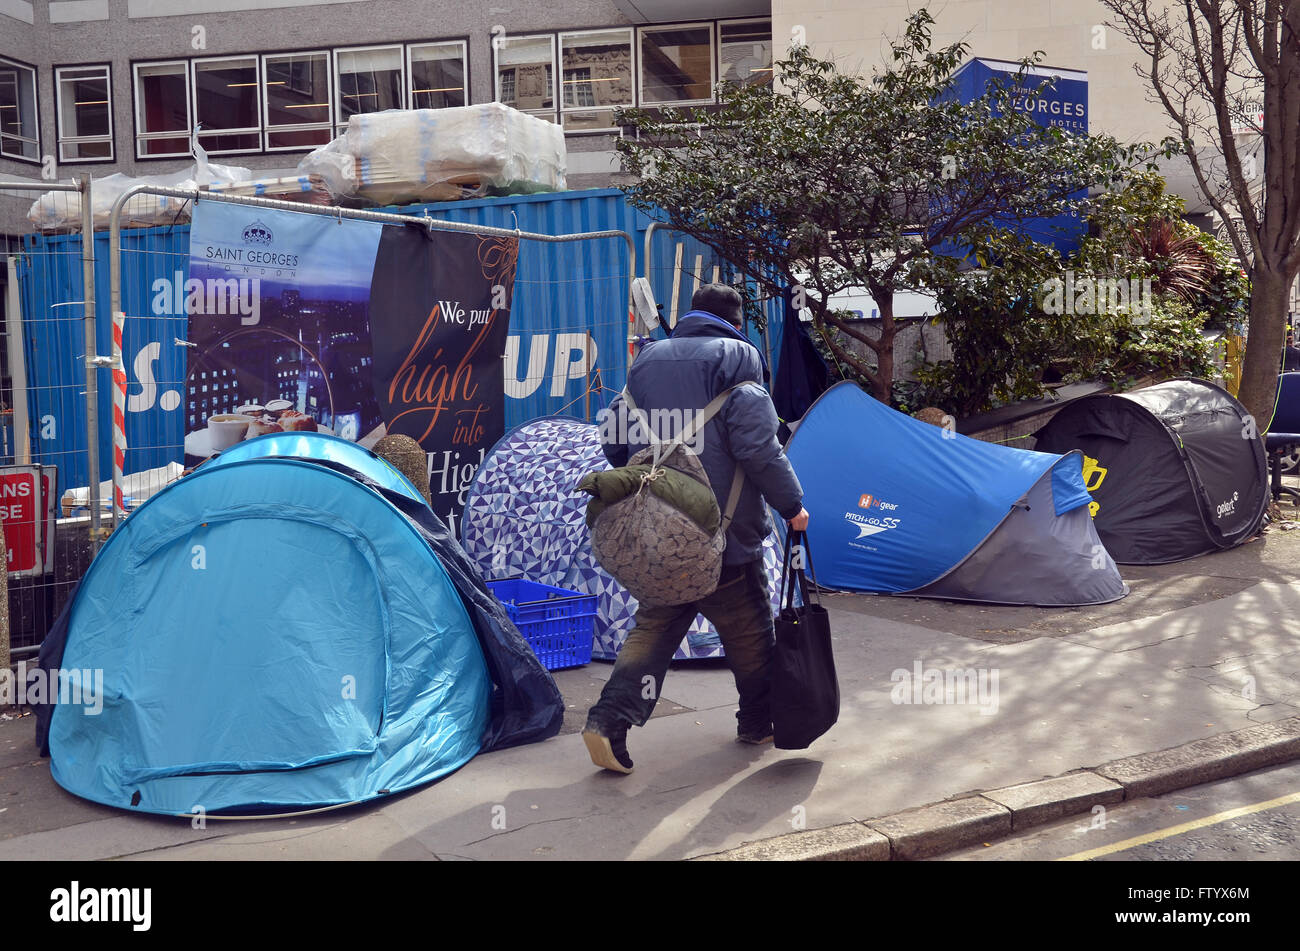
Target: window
point(596, 76)
point(677, 64)
point(269, 102)
point(19, 136)
point(369, 80)
point(85, 113)
point(226, 104)
point(577, 88)
point(525, 69)
point(162, 109)
point(437, 75)
point(745, 51)
point(296, 100)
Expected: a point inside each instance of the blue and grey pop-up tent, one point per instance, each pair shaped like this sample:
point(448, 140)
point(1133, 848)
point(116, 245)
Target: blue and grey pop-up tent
point(902, 507)
point(284, 633)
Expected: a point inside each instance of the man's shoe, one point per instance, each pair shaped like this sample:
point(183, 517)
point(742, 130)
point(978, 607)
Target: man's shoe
point(608, 749)
point(755, 737)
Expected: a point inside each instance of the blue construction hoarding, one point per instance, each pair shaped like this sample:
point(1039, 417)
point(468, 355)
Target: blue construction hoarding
point(570, 299)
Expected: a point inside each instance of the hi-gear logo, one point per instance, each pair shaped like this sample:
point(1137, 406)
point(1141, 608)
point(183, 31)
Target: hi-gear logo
point(1093, 476)
point(872, 524)
point(869, 501)
point(258, 233)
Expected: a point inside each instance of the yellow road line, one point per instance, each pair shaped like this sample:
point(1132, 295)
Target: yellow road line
point(1180, 829)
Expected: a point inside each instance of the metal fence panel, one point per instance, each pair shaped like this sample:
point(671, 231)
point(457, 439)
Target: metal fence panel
point(45, 446)
point(570, 301)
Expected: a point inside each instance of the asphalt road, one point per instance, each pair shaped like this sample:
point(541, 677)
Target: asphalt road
point(1247, 818)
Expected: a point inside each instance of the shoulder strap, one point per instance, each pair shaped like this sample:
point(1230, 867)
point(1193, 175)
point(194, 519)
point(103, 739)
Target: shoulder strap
point(738, 478)
point(733, 496)
point(701, 419)
point(661, 449)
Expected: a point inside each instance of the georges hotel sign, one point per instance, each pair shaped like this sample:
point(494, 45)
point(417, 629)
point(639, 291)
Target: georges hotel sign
point(1064, 105)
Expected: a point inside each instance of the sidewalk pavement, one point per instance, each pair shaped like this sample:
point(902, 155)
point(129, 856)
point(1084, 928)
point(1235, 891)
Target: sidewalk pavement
point(1198, 649)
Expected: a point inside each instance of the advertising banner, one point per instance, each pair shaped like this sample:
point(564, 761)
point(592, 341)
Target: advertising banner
point(440, 309)
point(352, 328)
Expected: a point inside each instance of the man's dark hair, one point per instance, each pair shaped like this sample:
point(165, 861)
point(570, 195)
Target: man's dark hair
point(721, 301)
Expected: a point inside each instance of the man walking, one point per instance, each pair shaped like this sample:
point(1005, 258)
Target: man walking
point(706, 355)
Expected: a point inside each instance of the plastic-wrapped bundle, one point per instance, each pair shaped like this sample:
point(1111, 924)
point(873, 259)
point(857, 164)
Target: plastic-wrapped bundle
point(401, 156)
point(308, 189)
point(61, 211)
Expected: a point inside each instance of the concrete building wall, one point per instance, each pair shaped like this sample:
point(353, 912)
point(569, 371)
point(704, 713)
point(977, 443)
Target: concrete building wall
point(1071, 33)
point(22, 41)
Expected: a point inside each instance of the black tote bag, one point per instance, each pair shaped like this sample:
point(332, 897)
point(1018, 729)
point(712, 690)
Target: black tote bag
point(805, 689)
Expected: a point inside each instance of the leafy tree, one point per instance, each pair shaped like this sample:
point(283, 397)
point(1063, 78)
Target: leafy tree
point(1001, 339)
point(830, 181)
point(1227, 73)
point(1006, 342)
point(1140, 231)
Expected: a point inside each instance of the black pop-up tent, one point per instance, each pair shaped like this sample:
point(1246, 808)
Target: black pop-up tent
point(1174, 470)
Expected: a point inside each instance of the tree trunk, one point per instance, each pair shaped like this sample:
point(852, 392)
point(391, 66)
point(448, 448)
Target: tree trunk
point(1264, 341)
point(888, 330)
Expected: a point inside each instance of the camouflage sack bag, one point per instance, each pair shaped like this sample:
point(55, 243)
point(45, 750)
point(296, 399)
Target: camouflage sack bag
point(663, 540)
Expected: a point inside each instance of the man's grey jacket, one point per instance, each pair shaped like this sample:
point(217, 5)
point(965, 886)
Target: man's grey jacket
point(705, 356)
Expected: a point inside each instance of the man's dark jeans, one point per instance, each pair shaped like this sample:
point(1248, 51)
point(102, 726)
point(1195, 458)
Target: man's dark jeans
point(741, 612)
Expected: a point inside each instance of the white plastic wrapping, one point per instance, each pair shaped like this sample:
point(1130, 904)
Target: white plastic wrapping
point(61, 211)
point(334, 165)
point(402, 156)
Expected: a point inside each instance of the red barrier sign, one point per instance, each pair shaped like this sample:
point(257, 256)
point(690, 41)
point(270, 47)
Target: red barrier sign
point(24, 491)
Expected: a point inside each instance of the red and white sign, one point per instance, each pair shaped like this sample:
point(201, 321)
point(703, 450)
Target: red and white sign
point(26, 508)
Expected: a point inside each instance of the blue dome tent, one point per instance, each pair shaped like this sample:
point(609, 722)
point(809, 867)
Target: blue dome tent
point(322, 448)
point(900, 506)
point(281, 633)
point(524, 517)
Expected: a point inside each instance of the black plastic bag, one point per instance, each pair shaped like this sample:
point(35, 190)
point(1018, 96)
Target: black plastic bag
point(805, 689)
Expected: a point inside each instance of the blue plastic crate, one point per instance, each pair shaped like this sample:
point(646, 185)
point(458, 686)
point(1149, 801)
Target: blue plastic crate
point(558, 624)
